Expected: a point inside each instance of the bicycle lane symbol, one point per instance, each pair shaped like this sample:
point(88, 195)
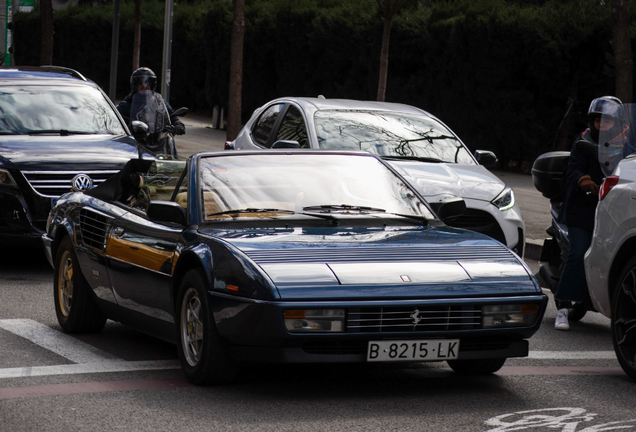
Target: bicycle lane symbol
point(559, 419)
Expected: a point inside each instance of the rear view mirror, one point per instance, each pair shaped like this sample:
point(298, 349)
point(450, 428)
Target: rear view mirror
point(140, 130)
point(166, 211)
point(485, 158)
point(286, 144)
point(180, 112)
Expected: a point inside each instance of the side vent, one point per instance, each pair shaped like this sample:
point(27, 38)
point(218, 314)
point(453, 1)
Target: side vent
point(93, 228)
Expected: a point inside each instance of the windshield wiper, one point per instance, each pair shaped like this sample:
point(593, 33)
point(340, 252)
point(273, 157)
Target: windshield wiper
point(62, 132)
point(421, 219)
point(252, 210)
point(415, 158)
point(342, 207)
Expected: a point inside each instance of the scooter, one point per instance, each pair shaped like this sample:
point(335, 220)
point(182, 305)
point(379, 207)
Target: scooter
point(548, 173)
point(151, 125)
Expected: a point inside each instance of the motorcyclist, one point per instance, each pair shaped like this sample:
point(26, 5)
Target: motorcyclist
point(144, 79)
point(583, 176)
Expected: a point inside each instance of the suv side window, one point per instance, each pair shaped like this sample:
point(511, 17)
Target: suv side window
point(265, 124)
point(293, 127)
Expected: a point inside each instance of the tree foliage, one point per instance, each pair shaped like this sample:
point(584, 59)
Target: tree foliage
point(501, 73)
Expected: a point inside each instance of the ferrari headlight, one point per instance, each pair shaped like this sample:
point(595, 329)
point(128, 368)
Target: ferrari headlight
point(6, 179)
point(510, 315)
point(505, 200)
point(314, 320)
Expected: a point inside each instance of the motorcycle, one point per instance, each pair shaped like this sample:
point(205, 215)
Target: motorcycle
point(548, 176)
point(150, 123)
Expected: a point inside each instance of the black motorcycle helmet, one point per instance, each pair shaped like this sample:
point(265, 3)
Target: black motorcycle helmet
point(604, 105)
point(143, 76)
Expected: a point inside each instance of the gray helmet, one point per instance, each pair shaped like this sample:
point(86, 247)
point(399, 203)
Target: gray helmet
point(605, 105)
point(602, 106)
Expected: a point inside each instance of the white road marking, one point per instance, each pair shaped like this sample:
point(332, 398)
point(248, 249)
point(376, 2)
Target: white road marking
point(88, 368)
point(56, 341)
point(571, 355)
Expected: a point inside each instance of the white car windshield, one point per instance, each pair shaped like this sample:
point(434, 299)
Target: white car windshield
point(390, 134)
point(64, 110)
point(269, 184)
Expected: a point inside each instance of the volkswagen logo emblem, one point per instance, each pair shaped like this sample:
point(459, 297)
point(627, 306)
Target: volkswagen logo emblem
point(82, 182)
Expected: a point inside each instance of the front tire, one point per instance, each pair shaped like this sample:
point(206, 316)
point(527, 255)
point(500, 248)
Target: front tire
point(204, 356)
point(477, 366)
point(624, 319)
point(76, 310)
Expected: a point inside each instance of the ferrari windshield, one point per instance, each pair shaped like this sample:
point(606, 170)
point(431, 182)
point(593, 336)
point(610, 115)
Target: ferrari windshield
point(390, 134)
point(63, 110)
point(267, 185)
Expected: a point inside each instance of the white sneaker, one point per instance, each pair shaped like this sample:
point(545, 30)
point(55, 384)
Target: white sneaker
point(561, 321)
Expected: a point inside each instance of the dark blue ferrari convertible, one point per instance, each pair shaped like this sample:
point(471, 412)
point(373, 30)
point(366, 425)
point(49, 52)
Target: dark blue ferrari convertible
point(287, 256)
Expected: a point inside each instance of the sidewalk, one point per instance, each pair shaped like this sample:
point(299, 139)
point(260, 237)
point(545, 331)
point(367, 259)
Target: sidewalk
point(535, 209)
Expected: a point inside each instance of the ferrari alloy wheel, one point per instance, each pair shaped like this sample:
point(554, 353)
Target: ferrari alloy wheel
point(76, 310)
point(476, 366)
point(191, 327)
point(624, 319)
point(203, 354)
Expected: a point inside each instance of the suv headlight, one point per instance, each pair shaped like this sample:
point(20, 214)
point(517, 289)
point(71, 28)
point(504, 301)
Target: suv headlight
point(6, 179)
point(505, 200)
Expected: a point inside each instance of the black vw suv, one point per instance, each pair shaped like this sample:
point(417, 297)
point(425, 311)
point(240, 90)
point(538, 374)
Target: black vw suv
point(58, 132)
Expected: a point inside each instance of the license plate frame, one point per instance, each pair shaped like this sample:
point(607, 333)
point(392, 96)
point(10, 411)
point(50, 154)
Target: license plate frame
point(419, 350)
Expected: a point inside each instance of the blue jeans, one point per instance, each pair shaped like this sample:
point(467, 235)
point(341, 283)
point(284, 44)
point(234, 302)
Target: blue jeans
point(572, 282)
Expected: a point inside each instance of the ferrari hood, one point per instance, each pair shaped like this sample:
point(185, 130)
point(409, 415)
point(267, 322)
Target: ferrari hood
point(396, 262)
point(438, 180)
point(57, 152)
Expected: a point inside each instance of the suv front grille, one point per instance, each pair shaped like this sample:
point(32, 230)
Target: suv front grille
point(53, 184)
point(413, 319)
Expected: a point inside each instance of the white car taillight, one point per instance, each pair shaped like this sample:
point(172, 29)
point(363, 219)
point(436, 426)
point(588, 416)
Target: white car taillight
point(606, 186)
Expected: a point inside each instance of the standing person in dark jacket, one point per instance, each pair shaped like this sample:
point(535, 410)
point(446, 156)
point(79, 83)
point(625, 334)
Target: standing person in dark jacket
point(144, 79)
point(583, 177)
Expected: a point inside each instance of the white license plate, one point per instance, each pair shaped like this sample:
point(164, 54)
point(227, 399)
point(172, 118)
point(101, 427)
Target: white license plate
point(413, 350)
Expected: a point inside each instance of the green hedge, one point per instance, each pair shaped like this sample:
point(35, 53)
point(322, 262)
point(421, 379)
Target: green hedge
point(499, 72)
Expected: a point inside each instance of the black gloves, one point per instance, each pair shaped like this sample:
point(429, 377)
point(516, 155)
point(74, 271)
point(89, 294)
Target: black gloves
point(178, 128)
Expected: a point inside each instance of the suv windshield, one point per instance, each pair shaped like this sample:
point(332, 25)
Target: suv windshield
point(390, 134)
point(33, 109)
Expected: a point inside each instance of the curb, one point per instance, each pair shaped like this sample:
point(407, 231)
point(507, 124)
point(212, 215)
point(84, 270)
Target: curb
point(533, 249)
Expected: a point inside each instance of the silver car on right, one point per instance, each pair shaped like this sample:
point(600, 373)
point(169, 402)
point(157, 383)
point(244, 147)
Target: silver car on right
point(610, 262)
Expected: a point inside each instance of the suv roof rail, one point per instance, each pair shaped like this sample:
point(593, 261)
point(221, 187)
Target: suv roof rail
point(62, 69)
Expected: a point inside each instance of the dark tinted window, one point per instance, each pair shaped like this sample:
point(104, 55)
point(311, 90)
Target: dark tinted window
point(293, 127)
point(265, 124)
point(31, 109)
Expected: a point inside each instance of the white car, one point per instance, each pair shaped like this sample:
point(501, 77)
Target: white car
point(417, 144)
point(610, 262)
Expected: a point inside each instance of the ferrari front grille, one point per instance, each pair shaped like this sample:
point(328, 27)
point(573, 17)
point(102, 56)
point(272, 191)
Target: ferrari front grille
point(413, 319)
point(53, 184)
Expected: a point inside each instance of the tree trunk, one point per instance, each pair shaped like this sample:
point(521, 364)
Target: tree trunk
point(384, 58)
point(46, 17)
point(236, 71)
point(137, 38)
point(623, 58)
